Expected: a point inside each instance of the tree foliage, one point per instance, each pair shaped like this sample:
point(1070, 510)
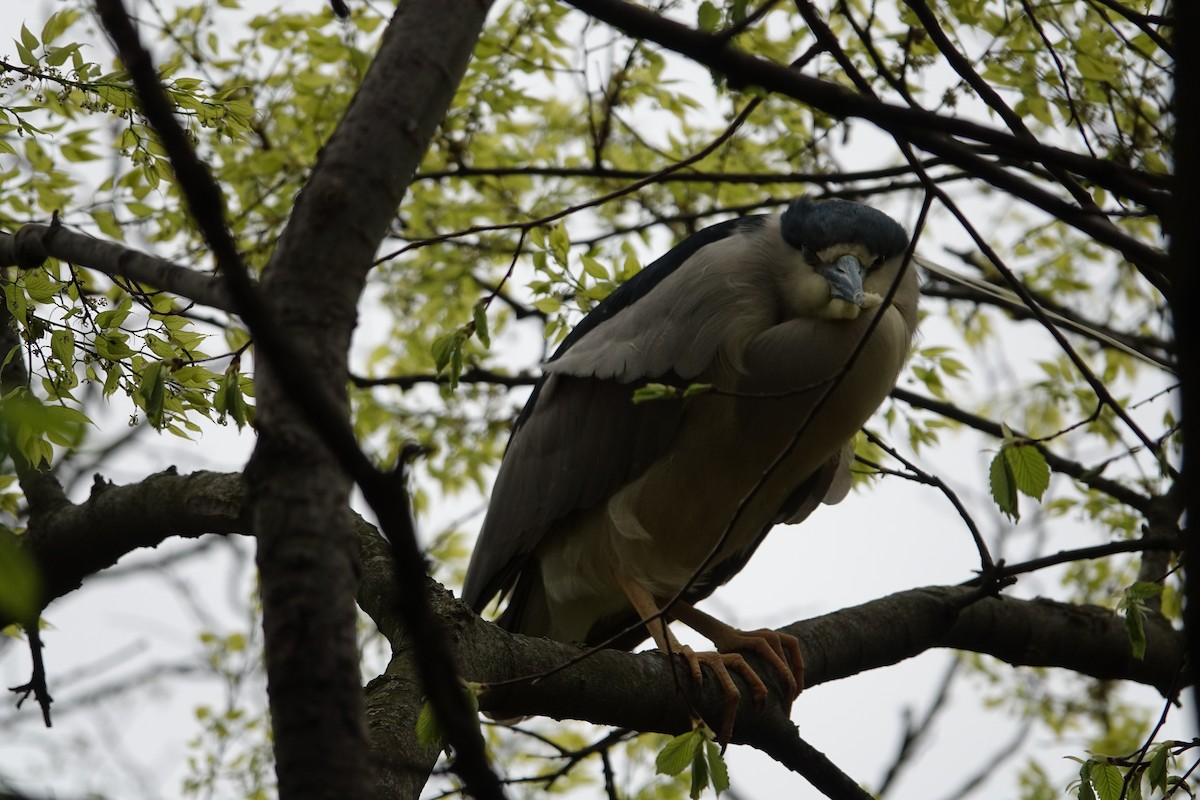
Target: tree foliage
point(190, 236)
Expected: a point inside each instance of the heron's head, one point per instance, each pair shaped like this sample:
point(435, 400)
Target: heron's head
point(850, 255)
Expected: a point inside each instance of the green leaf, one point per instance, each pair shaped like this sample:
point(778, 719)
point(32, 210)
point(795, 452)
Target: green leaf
point(63, 424)
point(40, 287)
point(699, 774)
point(58, 23)
point(1107, 780)
point(479, 316)
point(152, 389)
point(429, 732)
point(1029, 469)
point(62, 345)
point(547, 305)
point(1157, 771)
point(596, 292)
point(26, 55)
point(594, 268)
point(229, 399)
point(442, 349)
point(631, 266)
point(112, 379)
point(654, 391)
point(1085, 783)
point(1134, 608)
point(18, 304)
point(113, 318)
point(1144, 590)
point(708, 17)
point(1004, 487)
point(28, 39)
point(20, 581)
point(695, 749)
point(112, 346)
point(36, 425)
point(718, 768)
point(1136, 630)
point(560, 244)
point(448, 354)
point(677, 754)
point(1134, 790)
point(106, 221)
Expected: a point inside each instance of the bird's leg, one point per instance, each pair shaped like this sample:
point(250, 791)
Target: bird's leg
point(648, 609)
point(780, 650)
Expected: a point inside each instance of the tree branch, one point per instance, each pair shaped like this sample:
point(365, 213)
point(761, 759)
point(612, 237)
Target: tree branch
point(931, 132)
point(610, 687)
point(1147, 348)
point(34, 243)
point(1088, 477)
point(79, 540)
point(75, 541)
point(682, 176)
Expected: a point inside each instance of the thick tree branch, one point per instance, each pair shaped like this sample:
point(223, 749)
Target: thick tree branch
point(306, 565)
point(33, 244)
point(609, 687)
point(640, 691)
point(1087, 639)
point(75, 541)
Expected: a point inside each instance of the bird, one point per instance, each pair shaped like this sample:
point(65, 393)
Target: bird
point(781, 334)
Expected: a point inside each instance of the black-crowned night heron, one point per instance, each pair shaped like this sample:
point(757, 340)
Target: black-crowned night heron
point(603, 509)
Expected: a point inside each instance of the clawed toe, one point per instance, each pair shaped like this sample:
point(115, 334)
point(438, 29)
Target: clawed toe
point(720, 664)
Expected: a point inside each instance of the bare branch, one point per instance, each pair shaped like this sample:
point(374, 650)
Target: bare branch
point(680, 176)
point(1085, 475)
point(914, 734)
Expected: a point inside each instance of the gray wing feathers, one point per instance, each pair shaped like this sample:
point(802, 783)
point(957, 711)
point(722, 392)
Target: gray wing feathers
point(692, 317)
point(585, 438)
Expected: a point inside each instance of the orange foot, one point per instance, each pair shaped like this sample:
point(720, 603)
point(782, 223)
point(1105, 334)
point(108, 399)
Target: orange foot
point(721, 664)
point(779, 650)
